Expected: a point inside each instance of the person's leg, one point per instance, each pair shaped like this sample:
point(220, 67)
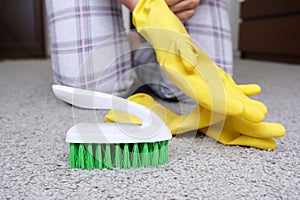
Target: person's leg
point(89, 48)
point(209, 29)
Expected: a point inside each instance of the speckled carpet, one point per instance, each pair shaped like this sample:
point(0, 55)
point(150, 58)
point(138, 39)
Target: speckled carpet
point(33, 152)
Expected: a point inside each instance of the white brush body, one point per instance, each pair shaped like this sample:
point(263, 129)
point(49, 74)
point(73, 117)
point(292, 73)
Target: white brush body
point(152, 129)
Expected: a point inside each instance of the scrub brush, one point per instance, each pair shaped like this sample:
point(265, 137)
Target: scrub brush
point(114, 145)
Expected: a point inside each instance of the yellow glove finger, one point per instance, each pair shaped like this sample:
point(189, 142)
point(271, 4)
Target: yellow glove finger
point(253, 113)
point(258, 130)
point(260, 143)
point(261, 106)
point(249, 89)
point(227, 137)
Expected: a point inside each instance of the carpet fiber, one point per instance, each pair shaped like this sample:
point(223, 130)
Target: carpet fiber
point(34, 154)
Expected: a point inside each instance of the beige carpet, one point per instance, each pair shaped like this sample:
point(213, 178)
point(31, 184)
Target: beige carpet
point(34, 154)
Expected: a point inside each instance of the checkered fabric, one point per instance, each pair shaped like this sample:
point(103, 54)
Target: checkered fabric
point(210, 30)
point(89, 48)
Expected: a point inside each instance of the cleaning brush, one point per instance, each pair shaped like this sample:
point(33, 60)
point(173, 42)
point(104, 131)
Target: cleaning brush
point(114, 145)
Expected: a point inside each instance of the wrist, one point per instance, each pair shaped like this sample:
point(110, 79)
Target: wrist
point(130, 4)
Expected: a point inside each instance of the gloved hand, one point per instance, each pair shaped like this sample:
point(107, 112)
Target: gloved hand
point(236, 131)
point(190, 68)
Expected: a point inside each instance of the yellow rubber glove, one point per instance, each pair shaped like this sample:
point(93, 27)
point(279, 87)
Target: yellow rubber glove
point(190, 68)
point(236, 131)
point(176, 123)
point(249, 89)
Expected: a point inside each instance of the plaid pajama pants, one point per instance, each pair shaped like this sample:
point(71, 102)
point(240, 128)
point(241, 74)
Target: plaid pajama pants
point(90, 49)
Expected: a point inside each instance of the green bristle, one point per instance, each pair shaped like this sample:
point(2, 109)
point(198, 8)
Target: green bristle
point(155, 155)
point(118, 156)
point(161, 159)
point(107, 157)
point(90, 157)
point(150, 147)
point(166, 151)
point(81, 157)
point(126, 156)
point(135, 156)
point(145, 158)
point(73, 155)
point(98, 157)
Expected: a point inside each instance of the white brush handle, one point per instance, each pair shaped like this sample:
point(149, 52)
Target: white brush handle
point(98, 100)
